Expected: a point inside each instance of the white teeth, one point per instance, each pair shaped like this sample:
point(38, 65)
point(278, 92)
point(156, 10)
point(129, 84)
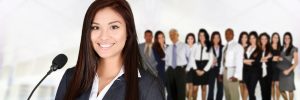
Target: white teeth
point(106, 45)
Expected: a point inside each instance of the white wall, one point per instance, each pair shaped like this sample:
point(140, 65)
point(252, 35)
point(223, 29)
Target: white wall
point(33, 32)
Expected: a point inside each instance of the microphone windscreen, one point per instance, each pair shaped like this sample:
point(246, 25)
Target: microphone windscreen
point(60, 60)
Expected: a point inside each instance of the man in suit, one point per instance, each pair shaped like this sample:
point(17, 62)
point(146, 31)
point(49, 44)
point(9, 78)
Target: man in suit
point(147, 53)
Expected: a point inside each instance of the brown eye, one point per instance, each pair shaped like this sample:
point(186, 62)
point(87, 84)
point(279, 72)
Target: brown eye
point(94, 27)
point(114, 27)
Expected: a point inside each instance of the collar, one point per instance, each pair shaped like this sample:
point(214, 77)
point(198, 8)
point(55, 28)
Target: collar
point(122, 72)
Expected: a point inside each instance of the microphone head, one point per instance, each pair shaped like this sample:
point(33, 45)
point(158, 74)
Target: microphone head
point(59, 61)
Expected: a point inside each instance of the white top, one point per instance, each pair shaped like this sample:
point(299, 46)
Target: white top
point(264, 66)
point(249, 51)
point(196, 55)
point(95, 87)
point(234, 60)
point(183, 52)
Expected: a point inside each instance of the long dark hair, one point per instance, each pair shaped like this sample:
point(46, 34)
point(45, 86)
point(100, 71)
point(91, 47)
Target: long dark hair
point(257, 50)
point(88, 59)
point(156, 45)
point(215, 33)
point(278, 43)
point(207, 42)
point(289, 49)
point(241, 36)
point(187, 37)
point(268, 45)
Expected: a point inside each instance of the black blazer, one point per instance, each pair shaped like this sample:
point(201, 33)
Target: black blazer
point(255, 67)
point(220, 55)
point(150, 88)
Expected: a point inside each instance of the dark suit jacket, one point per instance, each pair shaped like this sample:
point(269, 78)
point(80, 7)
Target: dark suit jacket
point(150, 88)
point(219, 59)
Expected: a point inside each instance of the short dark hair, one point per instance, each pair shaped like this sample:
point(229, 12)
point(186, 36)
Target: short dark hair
point(148, 31)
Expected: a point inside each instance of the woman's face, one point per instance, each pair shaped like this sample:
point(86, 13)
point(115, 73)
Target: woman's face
point(275, 39)
point(202, 37)
point(244, 39)
point(161, 39)
point(264, 40)
point(252, 40)
point(287, 39)
point(108, 34)
point(190, 40)
point(216, 39)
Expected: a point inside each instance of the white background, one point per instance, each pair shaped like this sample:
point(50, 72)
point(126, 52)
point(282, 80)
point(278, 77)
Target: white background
point(33, 32)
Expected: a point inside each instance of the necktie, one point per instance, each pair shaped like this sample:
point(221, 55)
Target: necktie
point(147, 52)
point(174, 57)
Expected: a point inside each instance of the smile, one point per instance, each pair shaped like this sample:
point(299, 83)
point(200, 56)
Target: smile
point(106, 45)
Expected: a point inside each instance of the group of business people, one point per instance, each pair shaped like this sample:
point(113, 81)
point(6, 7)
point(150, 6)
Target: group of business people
point(235, 67)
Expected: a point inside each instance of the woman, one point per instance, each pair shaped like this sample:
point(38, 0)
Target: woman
point(275, 50)
point(201, 59)
point(190, 40)
point(287, 65)
point(217, 49)
point(266, 80)
point(252, 65)
point(159, 47)
point(109, 65)
point(243, 40)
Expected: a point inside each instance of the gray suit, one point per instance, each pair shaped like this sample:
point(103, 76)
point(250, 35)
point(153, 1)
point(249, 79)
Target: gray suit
point(149, 63)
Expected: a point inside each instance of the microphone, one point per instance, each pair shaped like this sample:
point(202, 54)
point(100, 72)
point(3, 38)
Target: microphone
point(57, 63)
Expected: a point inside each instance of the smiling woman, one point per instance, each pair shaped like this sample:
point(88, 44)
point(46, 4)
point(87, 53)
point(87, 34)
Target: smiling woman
point(109, 65)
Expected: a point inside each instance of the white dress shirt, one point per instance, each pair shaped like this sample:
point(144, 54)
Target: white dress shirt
point(233, 56)
point(182, 51)
point(95, 87)
point(195, 55)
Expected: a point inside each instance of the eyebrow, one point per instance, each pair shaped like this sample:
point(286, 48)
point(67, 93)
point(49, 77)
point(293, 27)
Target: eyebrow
point(108, 23)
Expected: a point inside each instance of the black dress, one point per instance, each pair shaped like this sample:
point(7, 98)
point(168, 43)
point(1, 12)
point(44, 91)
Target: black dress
point(275, 69)
point(201, 80)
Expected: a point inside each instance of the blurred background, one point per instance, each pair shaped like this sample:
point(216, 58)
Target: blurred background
point(33, 32)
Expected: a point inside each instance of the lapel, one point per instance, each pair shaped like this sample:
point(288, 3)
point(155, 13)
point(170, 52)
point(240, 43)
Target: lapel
point(117, 90)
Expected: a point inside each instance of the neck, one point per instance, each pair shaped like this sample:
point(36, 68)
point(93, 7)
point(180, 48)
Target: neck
point(216, 45)
point(174, 42)
point(109, 67)
point(190, 45)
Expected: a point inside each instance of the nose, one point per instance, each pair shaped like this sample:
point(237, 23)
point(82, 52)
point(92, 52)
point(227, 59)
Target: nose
point(104, 35)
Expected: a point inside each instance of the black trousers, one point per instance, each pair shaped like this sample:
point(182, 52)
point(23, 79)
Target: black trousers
point(213, 77)
point(251, 79)
point(175, 83)
point(265, 86)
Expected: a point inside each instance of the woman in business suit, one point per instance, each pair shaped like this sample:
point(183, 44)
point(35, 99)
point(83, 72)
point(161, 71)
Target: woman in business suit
point(252, 65)
point(158, 48)
point(217, 49)
point(243, 40)
point(266, 80)
point(276, 50)
point(201, 60)
point(287, 64)
point(109, 64)
point(190, 40)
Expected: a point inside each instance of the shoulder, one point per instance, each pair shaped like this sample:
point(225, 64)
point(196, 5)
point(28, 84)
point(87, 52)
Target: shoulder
point(295, 49)
point(63, 85)
point(150, 86)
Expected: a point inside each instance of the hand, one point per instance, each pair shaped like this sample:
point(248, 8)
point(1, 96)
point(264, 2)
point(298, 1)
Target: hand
point(220, 78)
point(280, 58)
point(275, 58)
point(269, 55)
point(200, 72)
point(286, 72)
point(233, 79)
point(215, 62)
point(264, 60)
